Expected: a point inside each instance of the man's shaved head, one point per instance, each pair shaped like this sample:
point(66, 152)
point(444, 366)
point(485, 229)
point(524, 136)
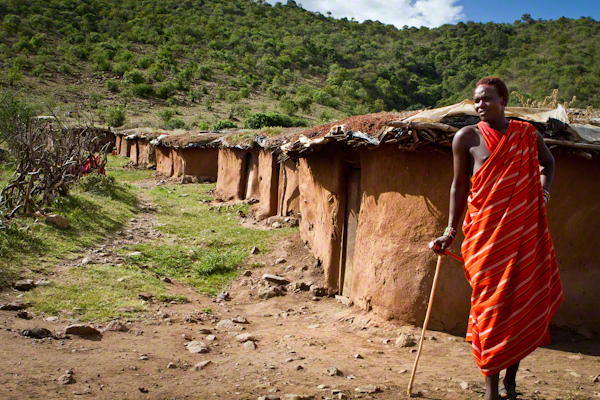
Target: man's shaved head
point(497, 83)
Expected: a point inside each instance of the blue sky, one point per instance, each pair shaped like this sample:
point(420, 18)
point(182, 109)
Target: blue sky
point(433, 13)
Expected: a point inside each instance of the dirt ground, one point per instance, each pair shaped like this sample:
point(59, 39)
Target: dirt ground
point(298, 338)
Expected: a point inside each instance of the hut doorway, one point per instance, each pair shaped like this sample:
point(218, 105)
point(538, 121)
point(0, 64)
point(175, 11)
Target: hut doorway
point(353, 198)
point(248, 178)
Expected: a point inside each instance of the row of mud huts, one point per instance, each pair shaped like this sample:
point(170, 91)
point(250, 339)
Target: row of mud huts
point(372, 191)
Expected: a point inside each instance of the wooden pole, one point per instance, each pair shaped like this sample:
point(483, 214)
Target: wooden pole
point(435, 277)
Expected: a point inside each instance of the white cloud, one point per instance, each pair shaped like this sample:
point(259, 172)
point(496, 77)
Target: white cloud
point(430, 13)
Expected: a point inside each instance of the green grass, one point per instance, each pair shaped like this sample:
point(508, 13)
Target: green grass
point(28, 246)
point(115, 166)
point(203, 248)
point(96, 292)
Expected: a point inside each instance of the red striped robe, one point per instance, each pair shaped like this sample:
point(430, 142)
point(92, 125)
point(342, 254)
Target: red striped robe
point(508, 253)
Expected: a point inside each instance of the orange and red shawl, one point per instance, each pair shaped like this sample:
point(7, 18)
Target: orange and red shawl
point(508, 253)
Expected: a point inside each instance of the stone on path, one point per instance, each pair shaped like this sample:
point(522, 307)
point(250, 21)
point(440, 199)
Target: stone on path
point(275, 279)
point(115, 326)
point(82, 330)
point(196, 347)
point(298, 397)
point(13, 306)
point(67, 378)
point(249, 345)
point(229, 325)
point(333, 371)
point(319, 291)
point(267, 293)
point(269, 397)
point(172, 365)
point(244, 337)
point(280, 261)
point(202, 364)
point(254, 250)
point(406, 340)
point(37, 333)
point(240, 320)
point(464, 385)
point(24, 285)
point(211, 338)
point(368, 389)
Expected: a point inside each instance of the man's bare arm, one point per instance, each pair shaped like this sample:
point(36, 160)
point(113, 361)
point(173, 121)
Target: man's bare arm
point(546, 162)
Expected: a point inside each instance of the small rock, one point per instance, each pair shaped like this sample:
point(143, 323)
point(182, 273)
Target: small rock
point(314, 326)
point(596, 379)
point(452, 339)
point(276, 225)
point(319, 291)
point(85, 261)
point(405, 340)
point(13, 306)
point(575, 358)
point(135, 254)
point(115, 326)
point(240, 320)
point(145, 296)
point(368, 389)
point(172, 365)
point(254, 250)
point(275, 279)
point(66, 379)
point(269, 292)
point(166, 279)
point(297, 397)
point(464, 385)
point(205, 331)
point(144, 357)
point(280, 261)
point(82, 330)
point(42, 283)
point(224, 296)
point(57, 220)
point(201, 365)
point(299, 367)
point(52, 319)
point(269, 397)
point(211, 338)
point(196, 347)
point(24, 285)
point(229, 325)
point(298, 287)
point(333, 371)
point(575, 374)
point(386, 341)
point(247, 273)
point(402, 371)
point(249, 345)
point(143, 389)
point(358, 356)
point(23, 314)
point(244, 337)
point(37, 333)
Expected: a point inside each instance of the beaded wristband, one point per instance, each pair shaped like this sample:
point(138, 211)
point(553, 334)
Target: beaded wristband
point(450, 232)
point(546, 195)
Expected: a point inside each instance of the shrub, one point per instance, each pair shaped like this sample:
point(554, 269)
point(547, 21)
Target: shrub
point(121, 68)
point(244, 92)
point(100, 185)
point(135, 77)
point(145, 62)
point(175, 123)
point(288, 106)
point(112, 86)
point(95, 99)
point(203, 126)
point(115, 116)
point(196, 95)
point(165, 90)
point(165, 115)
point(260, 120)
point(143, 90)
point(224, 125)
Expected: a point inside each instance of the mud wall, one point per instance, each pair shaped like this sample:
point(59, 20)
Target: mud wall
point(321, 182)
point(146, 152)
point(177, 162)
point(134, 151)
point(201, 163)
point(268, 177)
point(404, 206)
point(125, 145)
point(164, 163)
point(573, 219)
point(232, 179)
point(118, 139)
point(289, 203)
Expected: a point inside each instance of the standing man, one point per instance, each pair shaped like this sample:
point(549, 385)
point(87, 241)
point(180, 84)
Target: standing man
point(508, 253)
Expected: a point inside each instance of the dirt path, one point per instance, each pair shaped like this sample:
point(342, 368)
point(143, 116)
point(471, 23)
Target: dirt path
point(297, 337)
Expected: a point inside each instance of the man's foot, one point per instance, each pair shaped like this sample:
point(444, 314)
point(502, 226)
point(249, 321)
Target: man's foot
point(508, 392)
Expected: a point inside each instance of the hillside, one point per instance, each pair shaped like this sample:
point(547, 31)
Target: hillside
point(205, 61)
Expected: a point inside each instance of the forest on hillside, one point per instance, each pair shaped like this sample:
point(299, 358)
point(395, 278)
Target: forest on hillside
point(151, 49)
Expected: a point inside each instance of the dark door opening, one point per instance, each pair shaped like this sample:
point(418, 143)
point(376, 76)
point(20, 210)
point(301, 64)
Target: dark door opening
point(248, 177)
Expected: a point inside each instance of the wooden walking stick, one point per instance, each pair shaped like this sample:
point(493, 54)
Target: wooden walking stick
point(414, 371)
point(435, 277)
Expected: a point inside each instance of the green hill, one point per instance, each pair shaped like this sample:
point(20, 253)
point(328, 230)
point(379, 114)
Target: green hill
point(219, 59)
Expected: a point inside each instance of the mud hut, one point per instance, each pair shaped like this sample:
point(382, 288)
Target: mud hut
point(249, 168)
point(374, 190)
point(122, 146)
point(193, 156)
point(139, 147)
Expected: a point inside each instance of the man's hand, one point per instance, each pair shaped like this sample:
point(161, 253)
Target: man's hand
point(440, 244)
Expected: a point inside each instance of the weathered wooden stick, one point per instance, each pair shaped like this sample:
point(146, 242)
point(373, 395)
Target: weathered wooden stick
point(435, 277)
point(428, 125)
point(576, 145)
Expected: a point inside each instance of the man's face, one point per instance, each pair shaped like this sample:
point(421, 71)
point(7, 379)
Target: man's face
point(488, 104)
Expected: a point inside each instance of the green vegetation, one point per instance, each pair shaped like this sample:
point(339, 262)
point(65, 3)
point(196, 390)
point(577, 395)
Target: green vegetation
point(115, 166)
point(206, 54)
point(202, 247)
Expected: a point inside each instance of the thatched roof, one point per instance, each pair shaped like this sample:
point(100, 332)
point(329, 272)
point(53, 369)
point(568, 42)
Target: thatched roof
point(203, 139)
point(271, 138)
point(437, 128)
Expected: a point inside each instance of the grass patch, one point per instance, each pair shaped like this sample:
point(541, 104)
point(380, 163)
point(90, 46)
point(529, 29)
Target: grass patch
point(97, 292)
point(114, 168)
point(28, 244)
point(204, 248)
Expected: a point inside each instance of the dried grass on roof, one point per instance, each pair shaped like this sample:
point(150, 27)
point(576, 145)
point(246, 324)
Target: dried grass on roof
point(191, 139)
point(272, 137)
point(370, 123)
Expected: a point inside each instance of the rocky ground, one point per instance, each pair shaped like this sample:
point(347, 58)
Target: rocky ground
point(273, 336)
